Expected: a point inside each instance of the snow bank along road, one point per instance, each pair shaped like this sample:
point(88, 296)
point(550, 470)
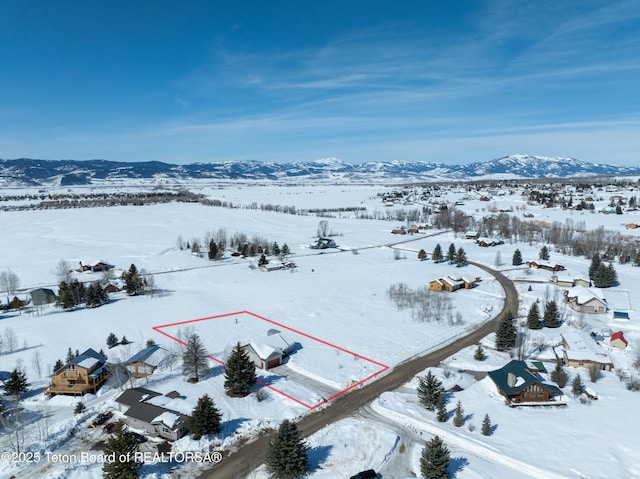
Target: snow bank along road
point(240, 462)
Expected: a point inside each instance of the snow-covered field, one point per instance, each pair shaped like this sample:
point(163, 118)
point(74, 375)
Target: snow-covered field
point(335, 306)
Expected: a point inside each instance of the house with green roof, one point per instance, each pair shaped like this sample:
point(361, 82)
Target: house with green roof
point(521, 385)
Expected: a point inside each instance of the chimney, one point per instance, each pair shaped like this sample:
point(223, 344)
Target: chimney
point(511, 380)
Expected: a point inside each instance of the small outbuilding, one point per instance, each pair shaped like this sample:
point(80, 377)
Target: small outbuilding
point(618, 340)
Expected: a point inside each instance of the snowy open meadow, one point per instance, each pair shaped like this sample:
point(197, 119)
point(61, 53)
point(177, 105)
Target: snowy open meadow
point(334, 305)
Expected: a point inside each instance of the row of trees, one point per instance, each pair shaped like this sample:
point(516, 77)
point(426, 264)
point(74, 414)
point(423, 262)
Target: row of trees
point(453, 256)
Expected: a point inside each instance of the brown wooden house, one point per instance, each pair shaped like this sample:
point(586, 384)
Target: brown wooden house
point(84, 374)
point(520, 384)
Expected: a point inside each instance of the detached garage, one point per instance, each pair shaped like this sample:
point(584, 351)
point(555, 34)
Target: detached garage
point(263, 355)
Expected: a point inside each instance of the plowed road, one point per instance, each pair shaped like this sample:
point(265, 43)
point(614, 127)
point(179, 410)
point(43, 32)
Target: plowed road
point(239, 463)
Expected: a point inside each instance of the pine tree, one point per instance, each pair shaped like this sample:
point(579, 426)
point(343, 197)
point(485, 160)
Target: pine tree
point(263, 260)
point(605, 276)
point(479, 354)
point(16, 385)
point(517, 258)
point(422, 254)
point(205, 418)
point(276, 249)
point(458, 415)
point(559, 376)
point(461, 257)
point(80, 408)
point(486, 429)
point(112, 340)
point(595, 263)
point(96, 296)
point(533, 318)
point(65, 297)
point(78, 292)
point(437, 253)
point(506, 334)
point(57, 366)
point(434, 461)
point(133, 282)
point(551, 315)
point(124, 340)
point(70, 356)
point(576, 386)
point(287, 454)
point(195, 361)
point(285, 250)
point(122, 445)
point(214, 251)
point(429, 389)
point(544, 253)
point(451, 253)
point(239, 372)
point(441, 415)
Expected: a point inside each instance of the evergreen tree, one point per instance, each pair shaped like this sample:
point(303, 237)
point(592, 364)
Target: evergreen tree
point(205, 418)
point(441, 415)
point(78, 292)
point(276, 249)
point(263, 260)
point(16, 385)
point(422, 254)
point(80, 408)
point(506, 334)
point(195, 361)
point(517, 258)
point(287, 454)
point(70, 356)
point(486, 429)
point(544, 253)
point(58, 365)
point(458, 415)
point(65, 297)
point(429, 390)
point(605, 276)
point(122, 445)
point(576, 386)
point(559, 376)
point(124, 340)
point(239, 372)
point(434, 461)
point(533, 318)
point(214, 251)
point(551, 315)
point(112, 340)
point(285, 250)
point(595, 263)
point(437, 253)
point(451, 253)
point(133, 282)
point(479, 354)
point(461, 257)
point(96, 296)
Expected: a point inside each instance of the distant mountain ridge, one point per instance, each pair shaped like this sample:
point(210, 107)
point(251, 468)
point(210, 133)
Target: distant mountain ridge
point(31, 172)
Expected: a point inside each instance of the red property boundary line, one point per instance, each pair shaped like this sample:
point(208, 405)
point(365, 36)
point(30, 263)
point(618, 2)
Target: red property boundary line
point(383, 367)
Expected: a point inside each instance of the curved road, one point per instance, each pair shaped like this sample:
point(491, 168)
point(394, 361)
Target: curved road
point(248, 456)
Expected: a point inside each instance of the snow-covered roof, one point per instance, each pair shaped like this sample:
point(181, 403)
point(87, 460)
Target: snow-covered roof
point(580, 346)
point(584, 295)
point(167, 418)
point(265, 351)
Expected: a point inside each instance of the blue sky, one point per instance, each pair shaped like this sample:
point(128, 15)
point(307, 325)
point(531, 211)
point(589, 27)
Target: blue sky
point(283, 81)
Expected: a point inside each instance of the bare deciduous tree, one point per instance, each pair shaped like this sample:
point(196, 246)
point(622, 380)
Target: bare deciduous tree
point(63, 271)
point(9, 281)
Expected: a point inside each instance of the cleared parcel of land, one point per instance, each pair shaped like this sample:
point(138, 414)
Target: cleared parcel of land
point(334, 303)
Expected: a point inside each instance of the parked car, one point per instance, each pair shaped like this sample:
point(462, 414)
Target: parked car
point(101, 419)
point(368, 474)
point(109, 427)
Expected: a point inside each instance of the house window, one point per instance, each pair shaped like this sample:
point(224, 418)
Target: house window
point(524, 395)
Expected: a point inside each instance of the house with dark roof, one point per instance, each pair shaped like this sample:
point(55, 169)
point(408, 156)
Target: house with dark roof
point(84, 374)
point(151, 412)
point(145, 362)
point(521, 385)
point(42, 296)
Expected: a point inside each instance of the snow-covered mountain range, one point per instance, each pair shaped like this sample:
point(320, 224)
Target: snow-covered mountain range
point(30, 172)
